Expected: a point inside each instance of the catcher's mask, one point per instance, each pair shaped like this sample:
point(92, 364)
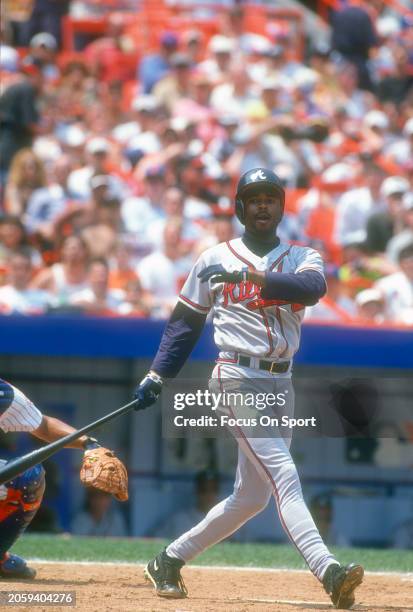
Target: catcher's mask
point(254, 181)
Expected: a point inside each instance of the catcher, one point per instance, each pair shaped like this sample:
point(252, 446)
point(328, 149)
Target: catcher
point(21, 498)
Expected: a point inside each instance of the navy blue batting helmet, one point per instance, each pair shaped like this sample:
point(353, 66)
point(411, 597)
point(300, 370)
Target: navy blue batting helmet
point(254, 181)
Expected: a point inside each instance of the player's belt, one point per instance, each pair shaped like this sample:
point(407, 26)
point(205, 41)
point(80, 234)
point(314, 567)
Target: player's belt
point(275, 367)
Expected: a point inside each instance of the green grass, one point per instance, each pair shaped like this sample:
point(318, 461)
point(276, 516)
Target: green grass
point(72, 548)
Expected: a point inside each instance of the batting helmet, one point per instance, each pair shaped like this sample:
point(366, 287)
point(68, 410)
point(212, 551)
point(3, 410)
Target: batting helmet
point(253, 181)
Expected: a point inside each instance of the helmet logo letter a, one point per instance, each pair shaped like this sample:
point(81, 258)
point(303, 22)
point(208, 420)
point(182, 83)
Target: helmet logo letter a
point(259, 175)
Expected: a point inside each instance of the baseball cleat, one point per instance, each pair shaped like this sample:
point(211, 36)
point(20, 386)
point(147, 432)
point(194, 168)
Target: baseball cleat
point(12, 566)
point(165, 575)
point(341, 582)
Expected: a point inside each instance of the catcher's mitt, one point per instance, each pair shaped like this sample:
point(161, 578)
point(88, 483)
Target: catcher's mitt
point(102, 470)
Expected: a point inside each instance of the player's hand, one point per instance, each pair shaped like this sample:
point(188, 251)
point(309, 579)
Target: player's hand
point(148, 391)
point(6, 395)
point(217, 274)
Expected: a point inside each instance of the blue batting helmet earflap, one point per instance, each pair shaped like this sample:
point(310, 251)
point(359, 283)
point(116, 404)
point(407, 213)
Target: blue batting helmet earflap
point(253, 181)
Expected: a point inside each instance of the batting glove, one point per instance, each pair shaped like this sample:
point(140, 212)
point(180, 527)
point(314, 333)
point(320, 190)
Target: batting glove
point(6, 395)
point(217, 274)
point(148, 391)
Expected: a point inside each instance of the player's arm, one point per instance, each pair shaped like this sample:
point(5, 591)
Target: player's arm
point(179, 338)
point(304, 286)
point(51, 429)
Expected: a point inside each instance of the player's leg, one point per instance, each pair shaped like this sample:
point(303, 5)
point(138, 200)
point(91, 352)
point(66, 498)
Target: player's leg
point(272, 460)
point(250, 496)
point(19, 502)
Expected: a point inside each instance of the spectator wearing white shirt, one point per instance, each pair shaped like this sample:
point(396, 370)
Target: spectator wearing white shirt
point(218, 65)
point(48, 203)
point(382, 226)
point(397, 289)
point(138, 212)
point(404, 237)
point(356, 206)
point(16, 297)
point(97, 152)
point(174, 206)
point(163, 272)
point(370, 306)
point(97, 297)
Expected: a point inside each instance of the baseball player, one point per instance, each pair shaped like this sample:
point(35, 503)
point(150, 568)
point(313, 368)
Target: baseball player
point(21, 498)
point(257, 288)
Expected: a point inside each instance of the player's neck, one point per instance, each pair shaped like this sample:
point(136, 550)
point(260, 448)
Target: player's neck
point(260, 245)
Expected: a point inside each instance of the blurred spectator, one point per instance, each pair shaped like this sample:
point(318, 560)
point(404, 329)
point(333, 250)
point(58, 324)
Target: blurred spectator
point(97, 297)
point(99, 517)
point(164, 272)
point(370, 306)
point(137, 302)
point(397, 289)
point(122, 265)
point(206, 496)
point(176, 84)
point(17, 296)
point(381, 226)
point(46, 204)
point(107, 55)
point(354, 37)
point(77, 89)
point(43, 47)
point(13, 239)
point(97, 151)
point(26, 175)
point(357, 205)
point(101, 235)
point(46, 16)
point(405, 236)
point(138, 212)
point(153, 68)
point(19, 116)
point(218, 65)
point(174, 207)
point(69, 276)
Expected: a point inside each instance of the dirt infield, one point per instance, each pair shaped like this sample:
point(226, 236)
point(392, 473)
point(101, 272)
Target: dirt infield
point(108, 588)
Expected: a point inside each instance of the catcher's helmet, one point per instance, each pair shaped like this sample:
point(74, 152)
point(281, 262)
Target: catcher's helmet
point(255, 180)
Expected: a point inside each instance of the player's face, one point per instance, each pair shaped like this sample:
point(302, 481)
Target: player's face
point(263, 212)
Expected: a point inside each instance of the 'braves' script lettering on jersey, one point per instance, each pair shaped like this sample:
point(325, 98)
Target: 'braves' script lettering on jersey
point(236, 293)
point(239, 293)
point(243, 320)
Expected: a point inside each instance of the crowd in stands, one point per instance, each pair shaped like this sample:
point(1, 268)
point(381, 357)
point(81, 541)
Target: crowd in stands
point(116, 175)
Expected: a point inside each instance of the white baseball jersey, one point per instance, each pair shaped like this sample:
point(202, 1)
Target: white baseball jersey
point(243, 321)
point(21, 415)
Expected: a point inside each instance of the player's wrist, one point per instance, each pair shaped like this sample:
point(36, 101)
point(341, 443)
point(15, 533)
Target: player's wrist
point(157, 378)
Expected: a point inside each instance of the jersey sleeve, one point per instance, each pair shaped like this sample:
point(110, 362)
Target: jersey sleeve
point(194, 294)
point(308, 259)
point(21, 415)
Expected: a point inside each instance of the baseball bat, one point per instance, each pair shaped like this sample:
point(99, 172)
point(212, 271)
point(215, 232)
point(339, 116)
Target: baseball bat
point(16, 466)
